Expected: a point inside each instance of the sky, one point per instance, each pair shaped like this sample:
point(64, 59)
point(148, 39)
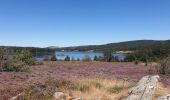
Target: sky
point(43, 23)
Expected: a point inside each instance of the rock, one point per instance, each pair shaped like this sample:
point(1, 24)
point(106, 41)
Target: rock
point(59, 96)
point(16, 97)
point(79, 98)
point(144, 89)
point(167, 97)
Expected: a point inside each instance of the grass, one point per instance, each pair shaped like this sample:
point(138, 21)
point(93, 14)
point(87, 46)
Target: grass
point(161, 91)
point(89, 80)
point(116, 89)
point(89, 89)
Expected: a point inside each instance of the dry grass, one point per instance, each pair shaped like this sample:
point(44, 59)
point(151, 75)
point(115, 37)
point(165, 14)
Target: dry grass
point(90, 89)
point(161, 91)
point(86, 79)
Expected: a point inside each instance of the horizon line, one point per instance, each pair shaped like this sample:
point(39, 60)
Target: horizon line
point(81, 45)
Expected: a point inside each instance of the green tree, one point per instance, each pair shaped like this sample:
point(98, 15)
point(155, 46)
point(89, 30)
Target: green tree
point(108, 55)
point(95, 58)
point(26, 57)
point(53, 58)
point(67, 58)
point(164, 67)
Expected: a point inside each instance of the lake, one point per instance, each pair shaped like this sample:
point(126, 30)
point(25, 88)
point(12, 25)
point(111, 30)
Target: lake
point(80, 55)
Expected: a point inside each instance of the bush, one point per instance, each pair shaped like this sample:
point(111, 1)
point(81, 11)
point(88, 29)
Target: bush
point(26, 57)
point(67, 58)
point(18, 63)
point(108, 55)
point(39, 91)
point(16, 66)
point(87, 58)
point(46, 58)
point(53, 58)
point(3, 58)
point(136, 61)
point(44, 90)
point(95, 58)
point(164, 67)
point(115, 89)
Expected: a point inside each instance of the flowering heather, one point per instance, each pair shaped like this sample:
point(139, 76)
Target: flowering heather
point(12, 83)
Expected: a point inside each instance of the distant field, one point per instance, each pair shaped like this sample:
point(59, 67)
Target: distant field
point(12, 83)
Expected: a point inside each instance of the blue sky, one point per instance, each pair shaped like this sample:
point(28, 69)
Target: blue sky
point(43, 23)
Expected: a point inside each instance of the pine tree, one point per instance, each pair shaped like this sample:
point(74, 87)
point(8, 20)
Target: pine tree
point(67, 58)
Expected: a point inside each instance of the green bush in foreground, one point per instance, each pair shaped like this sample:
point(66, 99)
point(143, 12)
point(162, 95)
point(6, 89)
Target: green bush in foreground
point(16, 66)
point(164, 67)
point(26, 57)
point(20, 62)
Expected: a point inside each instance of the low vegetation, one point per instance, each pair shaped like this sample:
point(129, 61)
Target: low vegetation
point(88, 89)
point(87, 58)
point(16, 66)
point(18, 63)
point(164, 66)
point(67, 58)
point(53, 58)
point(34, 51)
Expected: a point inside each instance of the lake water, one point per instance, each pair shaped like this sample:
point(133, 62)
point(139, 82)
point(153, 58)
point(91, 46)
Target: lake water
point(80, 55)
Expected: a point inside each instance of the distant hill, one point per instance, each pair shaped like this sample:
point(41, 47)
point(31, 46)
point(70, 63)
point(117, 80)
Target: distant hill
point(33, 50)
point(52, 47)
point(128, 45)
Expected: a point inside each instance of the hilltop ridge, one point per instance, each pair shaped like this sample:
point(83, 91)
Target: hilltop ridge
point(127, 45)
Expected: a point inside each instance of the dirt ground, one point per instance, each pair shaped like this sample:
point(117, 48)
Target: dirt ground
point(12, 83)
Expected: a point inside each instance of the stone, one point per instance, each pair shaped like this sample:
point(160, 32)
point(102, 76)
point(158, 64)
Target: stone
point(166, 97)
point(145, 88)
point(79, 98)
point(16, 97)
point(59, 96)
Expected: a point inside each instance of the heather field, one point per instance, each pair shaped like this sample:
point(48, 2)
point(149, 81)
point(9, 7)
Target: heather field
point(96, 76)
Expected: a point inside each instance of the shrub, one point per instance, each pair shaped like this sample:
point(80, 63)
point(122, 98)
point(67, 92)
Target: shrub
point(95, 58)
point(136, 61)
point(108, 55)
point(44, 90)
point(67, 58)
point(87, 58)
point(164, 67)
point(26, 57)
point(39, 91)
point(3, 58)
point(16, 66)
point(53, 58)
point(116, 89)
point(46, 58)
